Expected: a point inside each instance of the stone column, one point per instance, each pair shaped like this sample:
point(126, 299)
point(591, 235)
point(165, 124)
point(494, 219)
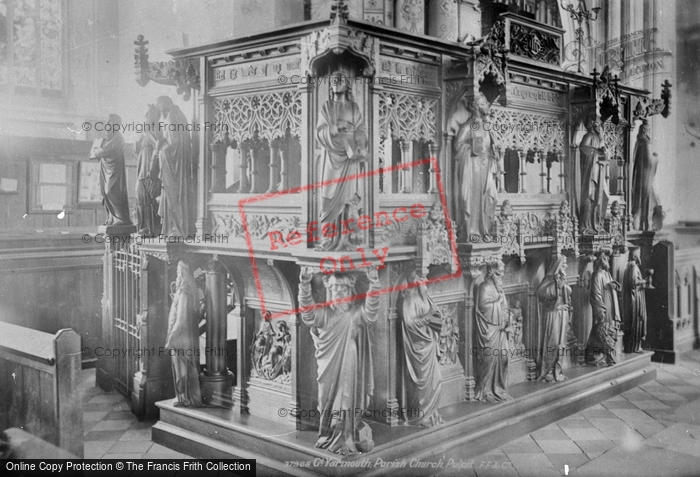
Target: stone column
point(433, 148)
point(392, 402)
point(218, 166)
point(216, 379)
point(243, 185)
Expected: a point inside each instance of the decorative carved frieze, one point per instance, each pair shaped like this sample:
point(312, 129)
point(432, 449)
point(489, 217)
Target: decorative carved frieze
point(252, 71)
point(259, 225)
point(269, 114)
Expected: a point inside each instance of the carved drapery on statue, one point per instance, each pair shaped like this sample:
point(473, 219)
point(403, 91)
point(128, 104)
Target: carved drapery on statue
point(342, 134)
point(422, 325)
point(475, 186)
point(634, 305)
point(115, 197)
point(178, 172)
point(554, 296)
point(600, 349)
point(646, 206)
point(148, 185)
point(492, 328)
point(593, 200)
point(344, 360)
point(183, 338)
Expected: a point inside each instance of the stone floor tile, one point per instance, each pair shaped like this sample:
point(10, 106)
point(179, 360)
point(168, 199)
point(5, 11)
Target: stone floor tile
point(112, 425)
point(594, 448)
point(574, 424)
point(619, 405)
point(650, 404)
point(559, 447)
point(572, 460)
point(106, 399)
point(521, 448)
point(646, 461)
point(549, 435)
point(130, 456)
point(137, 435)
point(605, 414)
point(537, 460)
point(103, 435)
point(681, 437)
point(130, 447)
point(585, 434)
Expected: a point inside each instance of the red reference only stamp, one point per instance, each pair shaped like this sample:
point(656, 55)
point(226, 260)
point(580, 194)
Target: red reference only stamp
point(335, 240)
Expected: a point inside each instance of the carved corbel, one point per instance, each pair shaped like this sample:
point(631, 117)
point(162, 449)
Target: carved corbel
point(183, 74)
point(649, 107)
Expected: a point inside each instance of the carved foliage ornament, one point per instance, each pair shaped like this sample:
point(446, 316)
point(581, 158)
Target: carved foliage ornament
point(182, 74)
point(270, 115)
point(230, 225)
point(516, 231)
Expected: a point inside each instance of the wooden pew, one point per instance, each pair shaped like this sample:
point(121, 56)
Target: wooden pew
point(40, 385)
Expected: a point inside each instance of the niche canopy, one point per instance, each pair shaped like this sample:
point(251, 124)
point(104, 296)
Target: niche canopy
point(338, 41)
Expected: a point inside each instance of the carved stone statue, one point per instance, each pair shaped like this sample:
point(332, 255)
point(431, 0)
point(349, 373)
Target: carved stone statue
point(600, 349)
point(516, 321)
point(422, 323)
point(449, 339)
point(615, 227)
point(183, 338)
point(475, 182)
point(634, 304)
point(115, 198)
point(342, 134)
point(492, 328)
point(554, 296)
point(343, 356)
point(148, 183)
point(594, 189)
point(645, 199)
point(177, 171)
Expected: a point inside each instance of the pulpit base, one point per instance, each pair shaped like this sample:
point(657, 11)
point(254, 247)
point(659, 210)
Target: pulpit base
point(473, 427)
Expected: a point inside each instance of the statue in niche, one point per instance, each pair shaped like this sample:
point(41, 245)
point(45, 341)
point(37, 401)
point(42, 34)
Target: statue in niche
point(634, 303)
point(448, 350)
point(343, 356)
point(475, 181)
point(516, 321)
point(177, 172)
point(422, 324)
point(554, 295)
point(271, 352)
point(615, 226)
point(600, 349)
point(342, 134)
point(182, 340)
point(148, 182)
point(645, 199)
point(115, 198)
point(492, 327)
point(594, 189)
